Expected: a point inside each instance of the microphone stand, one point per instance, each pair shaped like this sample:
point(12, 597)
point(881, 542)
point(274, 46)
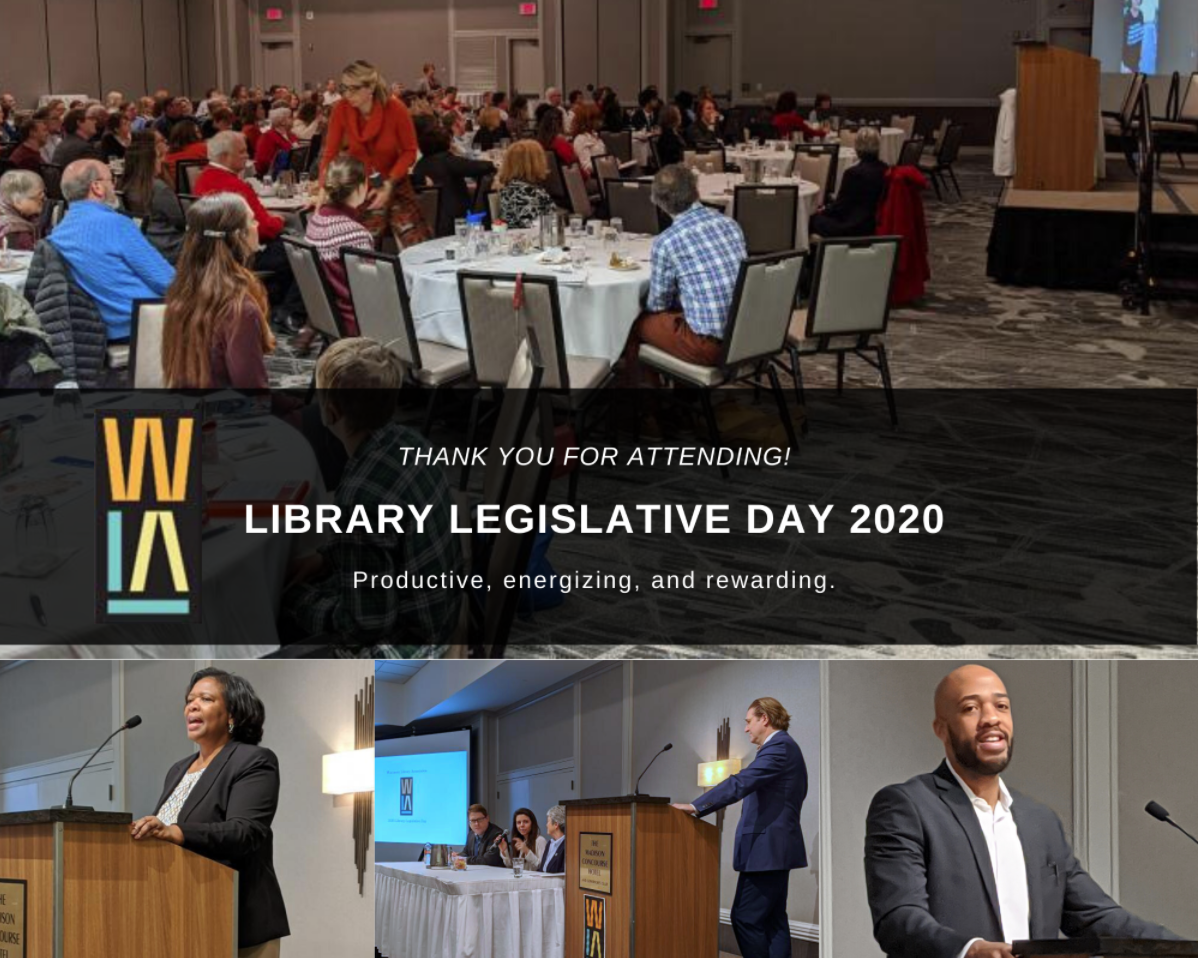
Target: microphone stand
point(70, 804)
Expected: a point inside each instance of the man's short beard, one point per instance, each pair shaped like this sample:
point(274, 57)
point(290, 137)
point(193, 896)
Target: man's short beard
point(967, 756)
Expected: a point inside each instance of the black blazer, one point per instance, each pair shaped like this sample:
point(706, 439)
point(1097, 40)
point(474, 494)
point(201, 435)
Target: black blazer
point(227, 818)
point(931, 885)
point(557, 864)
point(855, 210)
point(449, 172)
point(670, 147)
point(490, 851)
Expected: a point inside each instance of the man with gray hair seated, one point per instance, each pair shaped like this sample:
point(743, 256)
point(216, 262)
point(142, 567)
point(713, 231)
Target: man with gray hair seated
point(108, 256)
point(695, 264)
point(553, 862)
point(854, 212)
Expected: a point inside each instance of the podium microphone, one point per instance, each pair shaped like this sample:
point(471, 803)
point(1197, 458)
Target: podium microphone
point(131, 723)
point(1157, 812)
point(669, 745)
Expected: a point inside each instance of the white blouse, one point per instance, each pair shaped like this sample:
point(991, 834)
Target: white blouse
point(586, 146)
point(169, 813)
point(532, 858)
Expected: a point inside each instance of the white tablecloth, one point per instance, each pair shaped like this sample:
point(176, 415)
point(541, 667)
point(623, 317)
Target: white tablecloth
point(720, 189)
point(599, 305)
point(892, 144)
point(779, 163)
point(641, 152)
point(481, 912)
point(243, 574)
point(16, 278)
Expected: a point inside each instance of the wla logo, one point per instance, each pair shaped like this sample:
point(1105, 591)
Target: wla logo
point(149, 532)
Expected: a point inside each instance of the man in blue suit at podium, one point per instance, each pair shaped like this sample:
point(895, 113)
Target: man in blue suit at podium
point(769, 839)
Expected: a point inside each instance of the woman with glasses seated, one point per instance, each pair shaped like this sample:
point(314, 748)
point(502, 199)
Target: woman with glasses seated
point(376, 128)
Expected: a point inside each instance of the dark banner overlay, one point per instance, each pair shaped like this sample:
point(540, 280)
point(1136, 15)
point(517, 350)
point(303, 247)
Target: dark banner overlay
point(986, 518)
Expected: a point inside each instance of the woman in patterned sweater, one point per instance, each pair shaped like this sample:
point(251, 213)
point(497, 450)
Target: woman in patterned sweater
point(522, 194)
point(337, 225)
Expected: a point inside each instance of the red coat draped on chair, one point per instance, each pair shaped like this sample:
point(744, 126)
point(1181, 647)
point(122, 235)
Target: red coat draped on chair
point(901, 214)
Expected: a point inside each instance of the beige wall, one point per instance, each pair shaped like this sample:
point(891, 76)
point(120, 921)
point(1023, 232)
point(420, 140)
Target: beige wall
point(34, 699)
point(880, 723)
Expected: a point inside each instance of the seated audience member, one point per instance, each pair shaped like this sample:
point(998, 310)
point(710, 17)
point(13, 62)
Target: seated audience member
point(442, 168)
point(219, 120)
point(613, 114)
point(823, 111)
point(212, 98)
point(499, 102)
point(8, 119)
point(671, 147)
point(337, 224)
point(216, 332)
point(491, 131)
point(587, 142)
point(786, 119)
point(527, 841)
point(31, 138)
point(309, 121)
point(22, 199)
point(99, 117)
point(854, 211)
point(482, 846)
point(576, 97)
point(79, 130)
point(53, 120)
point(227, 157)
point(450, 100)
point(517, 121)
point(184, 143)
point(145, 114)
point(551, 138)
point(116, 138)
point(704, 133)
point(358, 383)
point(108, 257)
point(693, 273)
point(173, 110)
point(522, 194)
point(429, 85)
point(273, 152)
point(553, 862)
point(249, 120)
point(149, 196)
point(330, 96)
point(645, 118)
point(685, 101)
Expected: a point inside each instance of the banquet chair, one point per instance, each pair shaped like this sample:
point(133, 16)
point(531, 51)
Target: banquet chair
point(482, 190)
point(605, 167)
point(848, 138)
point(848, 309)
point(58, 209)
point(384, 314)
point(767, 216)
point(186, 174)
point(186, 201)
point(911, 152)
point(818, 162)
point(318, 297)
point(631, 201)
point(145, 344)
point(315, 145)
point(762, 304)
point(705, 161)
point(297, 161)
point(428, 198)
point(580, 200)
point(555, 184)
point(618, 144)
point(904, 123)
point(938, 133)
point(942, 163)
point(493, 205)
point(653, 153)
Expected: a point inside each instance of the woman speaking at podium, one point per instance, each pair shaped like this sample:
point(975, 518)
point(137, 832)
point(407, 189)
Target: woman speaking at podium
point(220, 803)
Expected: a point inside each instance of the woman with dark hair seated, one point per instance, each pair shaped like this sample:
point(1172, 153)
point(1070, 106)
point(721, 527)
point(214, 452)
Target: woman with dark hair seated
point(527, 841)
point(670, 145)
point(149, 196)
point(440, 166)
point(855, 210)
point(116, 138)
point(550, 136)
point(786, 118)
point(221, 802)
point(184, 143)
point(704, 133)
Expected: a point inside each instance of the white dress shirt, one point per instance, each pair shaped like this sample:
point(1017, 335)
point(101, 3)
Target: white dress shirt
point(768, 737)
point(1006, 861)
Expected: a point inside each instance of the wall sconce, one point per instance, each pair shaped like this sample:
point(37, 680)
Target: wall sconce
point(712, 773)
point(345, 773)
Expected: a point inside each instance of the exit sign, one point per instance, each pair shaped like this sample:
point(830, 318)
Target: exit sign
point(528, 9)
point(274, 13)
point(709, 4)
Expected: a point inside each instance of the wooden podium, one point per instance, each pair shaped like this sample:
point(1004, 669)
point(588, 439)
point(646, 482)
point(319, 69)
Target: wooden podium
point(89, 889)
point(1056, 120)
point(1107, 948)
point(642, 876)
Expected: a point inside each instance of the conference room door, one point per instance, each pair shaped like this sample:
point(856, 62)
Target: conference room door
point(707, 61)
point(527, 68)
point(278, 63)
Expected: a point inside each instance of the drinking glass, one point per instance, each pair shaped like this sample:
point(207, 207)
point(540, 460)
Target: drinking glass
point(617, 224)
point(576, 226)
point(35, 532)
point(610, 240)
point(517, 867)
point(578, 255)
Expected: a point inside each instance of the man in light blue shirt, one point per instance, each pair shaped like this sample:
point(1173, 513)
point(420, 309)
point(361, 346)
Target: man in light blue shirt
point(108, 256)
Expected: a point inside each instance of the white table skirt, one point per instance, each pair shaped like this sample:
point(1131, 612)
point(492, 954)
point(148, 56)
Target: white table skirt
point(599, 306)
point(479, 913)
point(892, 144)
point(720, 189)
point(778, 163)
point(243, 575)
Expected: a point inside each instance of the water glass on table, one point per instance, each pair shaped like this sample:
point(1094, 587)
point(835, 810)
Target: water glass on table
point(35, 533)
point(517, 867)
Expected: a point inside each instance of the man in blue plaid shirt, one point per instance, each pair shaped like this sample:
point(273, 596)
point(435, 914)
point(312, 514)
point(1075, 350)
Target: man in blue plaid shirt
point(695, 264)
point(359, 381)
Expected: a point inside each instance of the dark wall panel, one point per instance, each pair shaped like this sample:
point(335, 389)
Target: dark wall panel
point(164, 59)
point(580, 19)
point(201, 46)
point(122, 58)
point(74, 66)
point(618, 47)
point(24, 65)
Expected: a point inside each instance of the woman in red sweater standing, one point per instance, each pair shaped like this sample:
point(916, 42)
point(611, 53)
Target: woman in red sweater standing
point(787, 120)
point(370, 124)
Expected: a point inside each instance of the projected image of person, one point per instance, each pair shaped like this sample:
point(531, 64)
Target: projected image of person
point(1140, 29)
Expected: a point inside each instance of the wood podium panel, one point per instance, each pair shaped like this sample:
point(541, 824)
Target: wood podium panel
point(27, 854)
point(617, 821)
point(1056, 119)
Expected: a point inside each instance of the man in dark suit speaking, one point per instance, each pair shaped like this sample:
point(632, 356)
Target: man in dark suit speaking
point(481, 841)
point(959, 866)
point(769, 839)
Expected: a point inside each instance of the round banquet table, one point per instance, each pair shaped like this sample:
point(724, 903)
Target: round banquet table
point(16, 276)
point(892, 144)
point(483, 912)
point(243, 575)
point(780, 163)
point(719, 189)
point(599, 305)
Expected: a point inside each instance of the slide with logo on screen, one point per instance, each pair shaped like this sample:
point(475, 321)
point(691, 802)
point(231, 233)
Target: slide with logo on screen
point(421, 798)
